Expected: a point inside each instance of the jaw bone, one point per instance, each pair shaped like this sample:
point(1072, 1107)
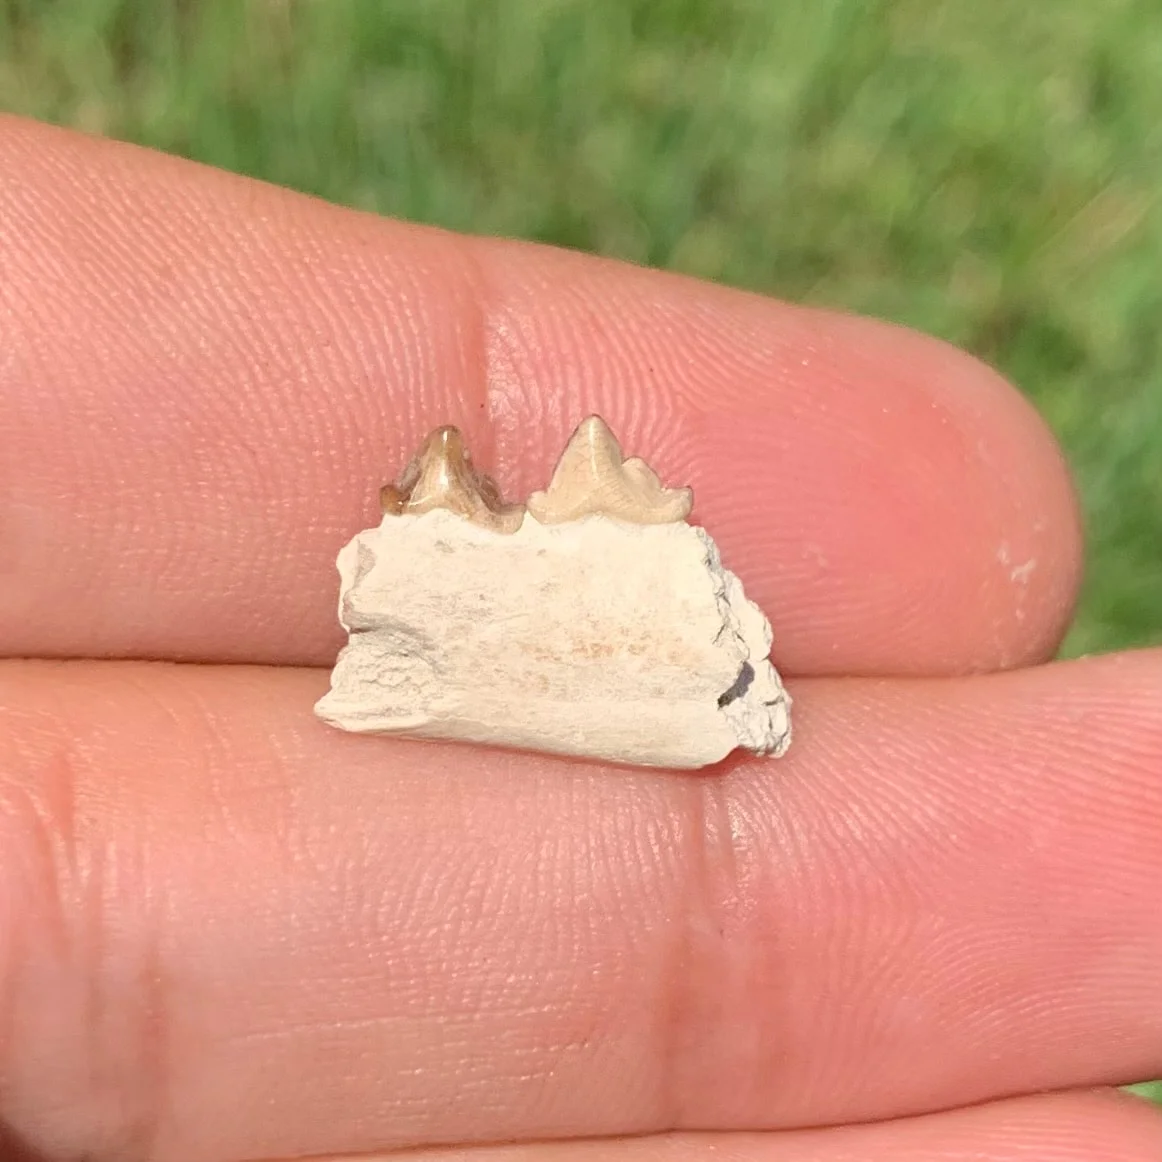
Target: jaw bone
point(597, 622)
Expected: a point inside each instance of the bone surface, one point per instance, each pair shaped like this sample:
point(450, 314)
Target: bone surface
point(598, 623)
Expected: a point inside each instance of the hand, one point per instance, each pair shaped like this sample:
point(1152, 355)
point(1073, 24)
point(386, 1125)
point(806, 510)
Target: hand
point(229, 932)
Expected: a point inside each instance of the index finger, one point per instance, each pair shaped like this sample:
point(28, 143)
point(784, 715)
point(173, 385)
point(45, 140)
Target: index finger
point(204, 381)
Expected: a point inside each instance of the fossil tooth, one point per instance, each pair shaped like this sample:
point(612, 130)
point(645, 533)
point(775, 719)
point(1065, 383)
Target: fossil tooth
point(441, 475)
point(593, 478)
point(601, 625)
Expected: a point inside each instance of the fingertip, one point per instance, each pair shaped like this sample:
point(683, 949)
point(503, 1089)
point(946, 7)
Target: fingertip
point(1000, 469)
point(894, 504)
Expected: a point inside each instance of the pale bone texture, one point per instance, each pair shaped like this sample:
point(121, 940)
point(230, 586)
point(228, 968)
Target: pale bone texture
point(591, 625)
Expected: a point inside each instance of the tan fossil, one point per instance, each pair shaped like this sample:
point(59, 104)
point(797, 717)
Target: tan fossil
point(593, 478)
point(441, 475)
point(603, 625)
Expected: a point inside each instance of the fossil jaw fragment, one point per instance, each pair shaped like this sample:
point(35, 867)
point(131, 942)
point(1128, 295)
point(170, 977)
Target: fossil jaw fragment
point(598, 623)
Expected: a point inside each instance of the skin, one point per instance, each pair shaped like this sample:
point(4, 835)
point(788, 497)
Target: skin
point(229, 932)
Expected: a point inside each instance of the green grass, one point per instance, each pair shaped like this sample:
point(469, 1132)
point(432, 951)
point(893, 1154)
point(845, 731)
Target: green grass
point(988, 172)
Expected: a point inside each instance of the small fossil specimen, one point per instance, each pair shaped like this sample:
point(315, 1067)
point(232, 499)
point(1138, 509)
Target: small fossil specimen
point(596, 623)
point(592, 479)
point(441, 475)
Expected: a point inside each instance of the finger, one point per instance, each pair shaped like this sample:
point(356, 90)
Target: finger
point(1088, 1127)
point(232, 932)
point(205, 381)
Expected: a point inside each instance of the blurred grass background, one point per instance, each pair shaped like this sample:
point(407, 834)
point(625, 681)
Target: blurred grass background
point(989, 173)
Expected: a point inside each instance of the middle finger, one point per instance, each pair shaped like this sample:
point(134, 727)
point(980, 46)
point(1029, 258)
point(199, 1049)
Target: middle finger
point(261, 937)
